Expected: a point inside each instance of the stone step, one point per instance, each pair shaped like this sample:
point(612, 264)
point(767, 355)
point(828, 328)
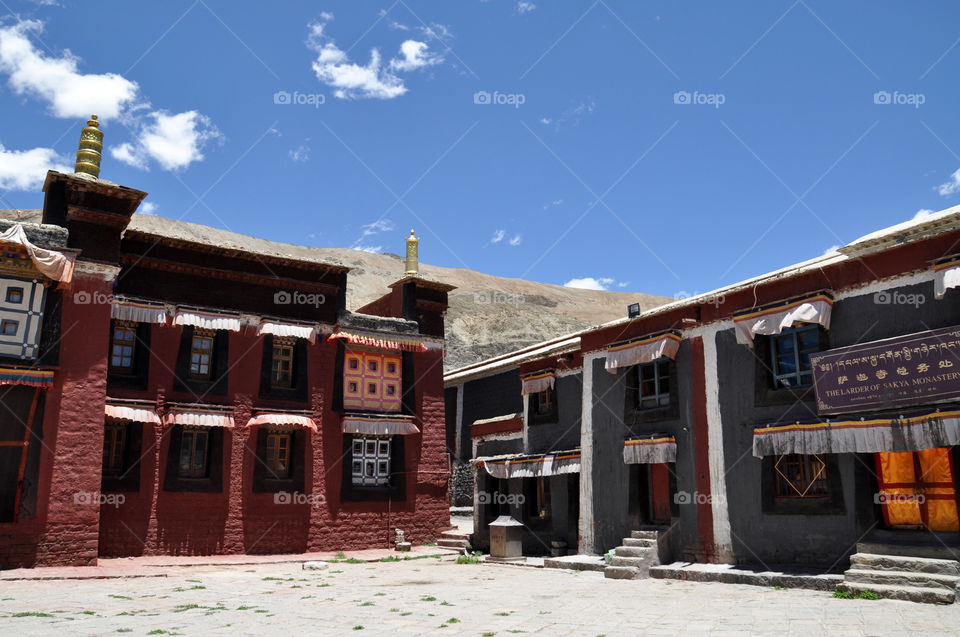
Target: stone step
point(621, 572)
point(873, 562)
point(908, 593)
point(633, 551)
point(937, 550)
point(452, 544)
point(634, 541)
point(642, 563)
point(455, 534)
point(644, 535)
point(901, 578)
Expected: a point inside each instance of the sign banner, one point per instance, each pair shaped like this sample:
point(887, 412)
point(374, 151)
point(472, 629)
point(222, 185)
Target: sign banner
point(905, 370)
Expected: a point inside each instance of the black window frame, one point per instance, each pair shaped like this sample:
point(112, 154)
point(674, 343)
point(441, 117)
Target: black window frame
point(217, 384)
point(213, 482)
point(127, 479)
point(298, 391)
point(633, 414)
point(263, 481)
point(139, 376)
point(547, 417)
point(396, 491)
point(804, 377)
point(830, 504)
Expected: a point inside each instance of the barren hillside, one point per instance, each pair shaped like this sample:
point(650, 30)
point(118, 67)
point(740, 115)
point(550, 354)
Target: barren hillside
point(488, 315)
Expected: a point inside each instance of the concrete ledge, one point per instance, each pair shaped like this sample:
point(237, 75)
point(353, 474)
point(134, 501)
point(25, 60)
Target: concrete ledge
point(576, 562)
point(730, 574)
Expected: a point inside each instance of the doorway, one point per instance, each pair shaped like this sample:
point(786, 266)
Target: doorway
point(917, 489)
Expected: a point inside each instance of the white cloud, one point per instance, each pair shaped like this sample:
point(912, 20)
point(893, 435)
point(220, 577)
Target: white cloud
point(498, 236)
point(26, 169)
point(56, 80)
point(573, 114)
point(623, 284)
point(951, 186)
point(380, 225)
point(326, 16)
point(515, 241)
point(590, 283)
point(554, 203)
point(923, 212)
point(831, 249)
point(373, 249)
point(375, 79)
point(301, 154)
point(525, 7)
point(173, 140)
point(415, 56)
point(147, 208)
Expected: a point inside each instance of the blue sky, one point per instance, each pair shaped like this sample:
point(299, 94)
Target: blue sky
point(662, 147)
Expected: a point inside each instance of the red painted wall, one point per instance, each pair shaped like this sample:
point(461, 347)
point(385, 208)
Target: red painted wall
point(237, 520)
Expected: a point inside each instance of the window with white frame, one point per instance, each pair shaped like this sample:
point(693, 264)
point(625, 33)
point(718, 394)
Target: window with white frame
point(21, 316)
point(371, 461)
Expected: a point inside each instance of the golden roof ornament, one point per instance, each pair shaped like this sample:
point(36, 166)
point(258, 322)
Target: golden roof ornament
point(413, 254)
point(90, 148)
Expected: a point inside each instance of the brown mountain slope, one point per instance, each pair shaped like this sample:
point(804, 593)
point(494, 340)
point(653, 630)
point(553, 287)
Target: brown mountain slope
point(488, 315)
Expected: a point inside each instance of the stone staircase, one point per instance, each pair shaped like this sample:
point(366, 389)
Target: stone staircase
point(916, 579)
point(454, 540)
point(633, 559)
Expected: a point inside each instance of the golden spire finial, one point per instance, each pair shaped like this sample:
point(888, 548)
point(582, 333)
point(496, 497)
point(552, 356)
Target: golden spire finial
point(90, 148)
point(413, 257)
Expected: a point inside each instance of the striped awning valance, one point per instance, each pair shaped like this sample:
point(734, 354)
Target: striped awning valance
point(775, 318)
point(42, 378)
point(531, 466)
point(138, 311)
point(643, 350)
point(294, 330)
point(200, 417)
point(652, 450)
point(379, 426)
point(282, 420)
point(382, 341)
point(56, 266)
point(538, 382)
point(946, 275)
point(913, 433)
point(132, 412)
point(207, 320)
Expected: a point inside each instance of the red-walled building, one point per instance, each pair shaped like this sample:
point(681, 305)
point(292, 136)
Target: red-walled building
point(169, 388)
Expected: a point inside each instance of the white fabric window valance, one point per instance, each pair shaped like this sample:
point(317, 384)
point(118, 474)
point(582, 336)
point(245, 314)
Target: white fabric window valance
point(138, 311)
point(283, 420)
point(379, 426)
point(915, 433)
point(644, 350)
point(557, 463)
point(775, 319)
point(207, 320)
point(50, 263)
point(655, 450)
point(133, 413)
point(308, 332)
point(538, 382)
point(946, 276)
point(200, 417)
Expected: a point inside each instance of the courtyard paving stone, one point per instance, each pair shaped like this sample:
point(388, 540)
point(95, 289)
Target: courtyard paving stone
point(436, 596)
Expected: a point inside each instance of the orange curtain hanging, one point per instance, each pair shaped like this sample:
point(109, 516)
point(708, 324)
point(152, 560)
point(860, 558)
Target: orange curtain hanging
point(918, 489)
point(940, 496)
